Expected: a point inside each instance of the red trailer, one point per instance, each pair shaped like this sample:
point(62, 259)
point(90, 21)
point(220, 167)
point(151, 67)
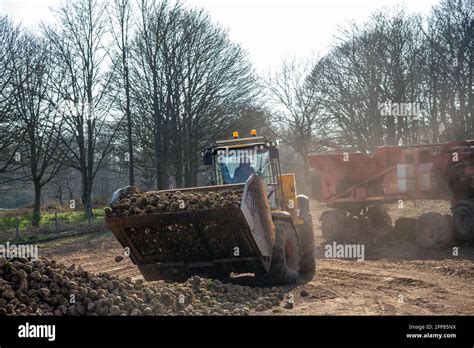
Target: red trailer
point(356, 185)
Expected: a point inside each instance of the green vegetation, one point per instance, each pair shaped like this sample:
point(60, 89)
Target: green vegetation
point(48, 219)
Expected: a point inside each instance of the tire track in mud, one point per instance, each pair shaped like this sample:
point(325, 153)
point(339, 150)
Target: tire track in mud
point(396, 288)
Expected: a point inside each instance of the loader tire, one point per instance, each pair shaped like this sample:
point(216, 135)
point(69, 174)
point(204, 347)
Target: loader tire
point(463, 219)
point(332, 224)
point(380, 222)
point(285, 264)
point(434, 231)
point(306, 241)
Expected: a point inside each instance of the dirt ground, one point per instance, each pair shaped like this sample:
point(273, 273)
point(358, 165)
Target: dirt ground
point(395, 277)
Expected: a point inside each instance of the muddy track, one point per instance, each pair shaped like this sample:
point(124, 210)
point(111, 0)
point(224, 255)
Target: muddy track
point(395, 278)
point(95, 253)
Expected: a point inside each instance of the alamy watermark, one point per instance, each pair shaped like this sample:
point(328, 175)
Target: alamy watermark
point(37, 331)
point(237, 156)
point(394, 109)
point(344, 251)
point(27, 251)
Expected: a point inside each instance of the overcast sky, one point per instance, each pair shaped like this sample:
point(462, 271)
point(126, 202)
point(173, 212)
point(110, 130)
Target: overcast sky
point(269, 30)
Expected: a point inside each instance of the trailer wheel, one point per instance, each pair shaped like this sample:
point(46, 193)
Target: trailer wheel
point(405, 229)
point(380, 221)
point(332, 224)
point(306, 239)
point(356, 229)
point(434, 230)
point(463, 219)
point(285, 264)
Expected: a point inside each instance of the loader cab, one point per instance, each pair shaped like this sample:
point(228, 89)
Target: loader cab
point(235, 160)
point(234, 166)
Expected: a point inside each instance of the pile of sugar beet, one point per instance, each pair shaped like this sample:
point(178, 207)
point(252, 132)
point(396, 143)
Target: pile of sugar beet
point(44, 287)
point(151, 202)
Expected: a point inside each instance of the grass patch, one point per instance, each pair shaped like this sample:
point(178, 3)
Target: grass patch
point(49, 219)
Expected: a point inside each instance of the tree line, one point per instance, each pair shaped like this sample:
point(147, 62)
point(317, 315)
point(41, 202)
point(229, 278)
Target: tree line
point(397, 79)
point(144, 83)
point(147, 85)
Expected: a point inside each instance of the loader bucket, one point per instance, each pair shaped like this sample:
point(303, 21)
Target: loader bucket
point(231, 239)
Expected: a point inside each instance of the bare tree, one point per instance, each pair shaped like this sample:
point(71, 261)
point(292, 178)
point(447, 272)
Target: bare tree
point(64, 185)
point(374, 66)
point(156, 21)
point(10, 133)
point(298, 115)
point(35, 116)
point(190, 82)
point(447, 70)
point(81, 49)
point(121, 24)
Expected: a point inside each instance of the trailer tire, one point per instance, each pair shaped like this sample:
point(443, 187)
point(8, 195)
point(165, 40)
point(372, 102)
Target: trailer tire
point(380, 222)
point(434, 231)
point(404, 229)
point(285, 264)
point(356, 230)
point(463, 220)
point(332, 224)
point(306, 242)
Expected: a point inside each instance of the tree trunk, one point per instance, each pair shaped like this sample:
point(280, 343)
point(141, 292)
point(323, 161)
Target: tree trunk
point(391, 136)
point(129, 126)
point(87, 196)
point(157, 136)
point(195, 174)
point(60, 195)
point(37, 204)
point(179, 168)
point(188, 173)
point(164, 154)
point(88, 202)
point(159, 182)
point(71, 193)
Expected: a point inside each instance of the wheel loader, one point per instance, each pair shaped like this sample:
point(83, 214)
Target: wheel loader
point(269, 234)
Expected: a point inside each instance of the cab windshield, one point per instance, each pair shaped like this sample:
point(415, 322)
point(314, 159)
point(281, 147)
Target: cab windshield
point(237, 165)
